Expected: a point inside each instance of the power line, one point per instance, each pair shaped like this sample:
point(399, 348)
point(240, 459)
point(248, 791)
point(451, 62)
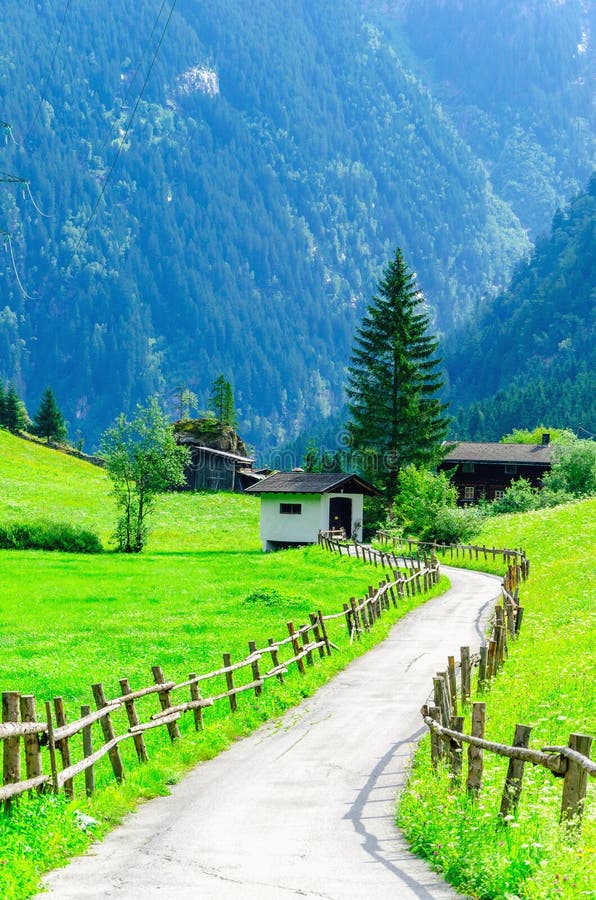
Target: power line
point(8, 241)
point(6, 178)
point(125, 135)
point(42, 96)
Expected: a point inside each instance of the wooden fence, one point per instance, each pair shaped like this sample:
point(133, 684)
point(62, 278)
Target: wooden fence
point(456, 551)
point(39, 749)
point(572, 763)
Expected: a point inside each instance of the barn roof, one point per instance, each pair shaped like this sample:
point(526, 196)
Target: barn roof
point(520, 454)
point(313, 483)
point(223, 453)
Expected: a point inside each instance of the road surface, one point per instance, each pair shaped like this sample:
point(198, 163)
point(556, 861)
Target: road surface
point(305, 806)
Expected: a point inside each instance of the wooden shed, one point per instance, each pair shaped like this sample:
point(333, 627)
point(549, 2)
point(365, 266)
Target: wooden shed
point(295, 506)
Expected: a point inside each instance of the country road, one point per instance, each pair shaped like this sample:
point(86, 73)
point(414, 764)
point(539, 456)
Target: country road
point(305, 806)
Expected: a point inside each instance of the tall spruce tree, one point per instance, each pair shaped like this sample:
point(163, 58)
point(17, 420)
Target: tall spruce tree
point(49, 421)
point(15, 414)
point(396, 417)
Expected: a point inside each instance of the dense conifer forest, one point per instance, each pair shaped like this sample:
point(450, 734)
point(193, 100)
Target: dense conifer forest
point(278, 154)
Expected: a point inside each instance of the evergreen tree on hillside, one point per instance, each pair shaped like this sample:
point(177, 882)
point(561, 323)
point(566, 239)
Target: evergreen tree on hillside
point(49, 421)
point(2, 406)
point(396, 418)
point(221, 402)
point(15, 414)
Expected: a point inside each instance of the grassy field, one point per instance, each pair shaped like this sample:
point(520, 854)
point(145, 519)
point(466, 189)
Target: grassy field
point(69, 620)
point(548, 683)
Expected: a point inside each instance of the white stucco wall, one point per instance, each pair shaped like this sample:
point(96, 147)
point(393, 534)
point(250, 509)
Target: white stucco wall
point(303, 528)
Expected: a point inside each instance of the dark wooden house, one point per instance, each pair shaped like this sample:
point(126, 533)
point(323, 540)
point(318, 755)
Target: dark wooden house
point(219, 459)
point(484, 470)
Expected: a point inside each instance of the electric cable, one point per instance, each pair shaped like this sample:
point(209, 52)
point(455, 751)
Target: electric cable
point(7, 240)
point(42, 96)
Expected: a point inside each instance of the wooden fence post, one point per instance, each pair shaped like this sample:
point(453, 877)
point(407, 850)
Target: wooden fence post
point(108, 732)
point(518, 619)
point(87, 751)
point(355, 617)
point(576, 780)
point(33, 764)
point(465, 674)
point(227, 661)
point(296, 645)
point(324, 632)
point(165, 701)
point(314, 621)
point(515, 773)
point(475, 758)
point(452, 683)
point(133, 719)
point(348, 614)
point(195, 695)
point(11, 769)
point(436, 744)
point(482, 666)
point(275, 659)
point(455, 751)
point(256, 675)
point(52, 746)
point(62, 745)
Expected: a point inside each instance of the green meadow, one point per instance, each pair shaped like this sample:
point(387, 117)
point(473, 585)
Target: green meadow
point(548, 683)
point(202, 587)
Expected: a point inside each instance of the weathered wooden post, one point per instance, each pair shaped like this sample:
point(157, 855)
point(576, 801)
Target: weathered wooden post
point(133, 719)
point(296, 645)
point(314, 621)
point(165, 702)
point(11, 769)
point(195, 697)
point(256, 675)
point(227, 661)
point(482, 666)
point(33, 763)
point(275, 658)
point(436, 744)
point(576, 780)
point(455, 751)
point(87, 752)
point(108, 732)
point(52, 746)
point(324, 631)
point(62, 744)
point(475, 758)
point(452, 683)
point(355, 617)
point(515, 773)
point(465, 674)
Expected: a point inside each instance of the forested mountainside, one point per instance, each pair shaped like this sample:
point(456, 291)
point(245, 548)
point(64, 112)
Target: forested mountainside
point(279, 153)
point(530, 355)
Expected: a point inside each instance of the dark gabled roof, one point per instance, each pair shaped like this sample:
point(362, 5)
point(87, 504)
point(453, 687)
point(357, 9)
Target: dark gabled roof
point(520, 454)
point(223, 453)
point(313, 483)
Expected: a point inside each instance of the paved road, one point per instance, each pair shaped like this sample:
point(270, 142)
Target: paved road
point(305, 806)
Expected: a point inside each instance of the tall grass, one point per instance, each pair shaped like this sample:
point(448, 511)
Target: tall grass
point(547, 683)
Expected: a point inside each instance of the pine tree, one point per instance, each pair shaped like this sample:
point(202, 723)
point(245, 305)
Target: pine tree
point(2, 406)
point(49, 421)
point(15, 414)
point(221, 402)
point(396, 418)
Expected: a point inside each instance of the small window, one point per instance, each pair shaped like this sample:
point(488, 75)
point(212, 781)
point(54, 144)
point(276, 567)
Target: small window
point(499, 493)
point(469, 492)
point(290, 509)
point(468, 467)
point(510, 469)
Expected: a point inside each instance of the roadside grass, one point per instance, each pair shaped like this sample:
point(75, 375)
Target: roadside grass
point(548, 683)
point(70, 620)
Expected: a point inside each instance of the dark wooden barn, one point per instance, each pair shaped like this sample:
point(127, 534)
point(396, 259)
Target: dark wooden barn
point(484, 470)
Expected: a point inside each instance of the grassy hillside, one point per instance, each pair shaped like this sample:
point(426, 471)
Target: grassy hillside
point(67, 621)
point(548, 683)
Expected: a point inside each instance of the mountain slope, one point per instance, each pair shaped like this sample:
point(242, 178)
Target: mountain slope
point(530, 356)
point(279, 154)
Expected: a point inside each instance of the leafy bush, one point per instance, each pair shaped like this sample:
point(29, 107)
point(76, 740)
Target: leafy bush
point(573, 469)
point(422, 495)
point(266, 596)
point(456, 526)
point(520, 496)
point(47, 535)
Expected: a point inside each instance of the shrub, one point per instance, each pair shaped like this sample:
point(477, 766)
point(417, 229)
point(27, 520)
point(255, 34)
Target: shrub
point(573, 469)
point(265, 596)
point(456, 526)
point(422, 494)
point(47, 535)
point(520, 496)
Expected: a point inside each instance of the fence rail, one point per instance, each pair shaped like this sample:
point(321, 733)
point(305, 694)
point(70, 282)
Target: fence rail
point(50, 752)
point(572, 763)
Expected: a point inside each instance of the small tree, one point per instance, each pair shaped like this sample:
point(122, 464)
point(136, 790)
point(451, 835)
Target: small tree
point(396, 417)
point(573, 469)
point(15, 414)
point(142, 459)
point(221, 402)
point(422, 495)
point(49, 421)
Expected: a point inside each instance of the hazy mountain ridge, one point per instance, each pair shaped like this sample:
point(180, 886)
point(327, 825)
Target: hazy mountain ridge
point(247, 219)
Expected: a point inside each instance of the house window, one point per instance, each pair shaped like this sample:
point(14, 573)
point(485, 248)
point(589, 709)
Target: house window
point(469, 492)
point(290, 509)
point(499, 493)
point(510, 469)
point(468, 467)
